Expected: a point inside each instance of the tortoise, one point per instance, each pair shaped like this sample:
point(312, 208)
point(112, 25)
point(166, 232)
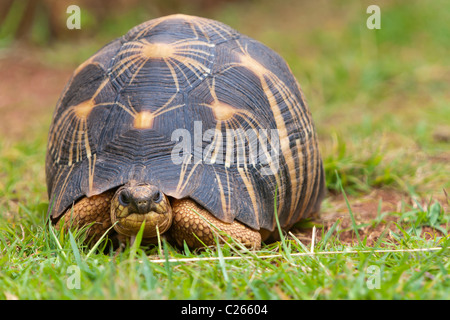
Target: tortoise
point(183, 126)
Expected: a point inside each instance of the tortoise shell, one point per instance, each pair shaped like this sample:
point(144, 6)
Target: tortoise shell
point(192, 106)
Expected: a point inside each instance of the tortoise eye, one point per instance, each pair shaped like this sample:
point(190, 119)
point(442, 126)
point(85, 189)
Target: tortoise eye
point(158, 197)
point(124, 198)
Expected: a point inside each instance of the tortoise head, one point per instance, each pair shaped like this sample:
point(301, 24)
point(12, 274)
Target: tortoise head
point(135, 203)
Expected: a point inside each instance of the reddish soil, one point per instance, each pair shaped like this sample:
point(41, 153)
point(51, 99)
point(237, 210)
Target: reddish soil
point(28, 93)
point(376, 211)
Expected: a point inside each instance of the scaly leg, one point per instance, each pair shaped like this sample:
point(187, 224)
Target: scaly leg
point(186, 223)
point(94, 212)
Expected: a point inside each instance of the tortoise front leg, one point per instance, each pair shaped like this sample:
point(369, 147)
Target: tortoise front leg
point(93, 212)
point(188, 226)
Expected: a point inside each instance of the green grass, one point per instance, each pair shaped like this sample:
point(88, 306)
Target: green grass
point(377, 98)
point(42, 263)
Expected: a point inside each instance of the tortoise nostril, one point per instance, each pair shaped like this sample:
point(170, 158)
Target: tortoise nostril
point(142, 205)
point(142, 202)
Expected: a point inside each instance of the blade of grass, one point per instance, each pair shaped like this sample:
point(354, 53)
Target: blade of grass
point(329, 233)
point(149, 277)
point(222, 263)
point(355, 227)
point(75, 250)
point(99, 241)
point(297, 240)
point(224, 271)
point(167, 261)
point(137, 241)
point(58, 244)
point(280, 231)
point(160, 239)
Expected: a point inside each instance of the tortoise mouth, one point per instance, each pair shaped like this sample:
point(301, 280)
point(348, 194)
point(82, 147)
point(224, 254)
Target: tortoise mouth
point(134, 205)
point(154, 223)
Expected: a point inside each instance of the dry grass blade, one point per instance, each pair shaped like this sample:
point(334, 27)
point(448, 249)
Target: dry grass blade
point(300, 254)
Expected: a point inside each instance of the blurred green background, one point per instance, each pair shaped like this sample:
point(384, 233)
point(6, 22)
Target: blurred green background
point(379, 98)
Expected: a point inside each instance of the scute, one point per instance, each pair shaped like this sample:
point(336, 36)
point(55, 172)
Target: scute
point(193, 107)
